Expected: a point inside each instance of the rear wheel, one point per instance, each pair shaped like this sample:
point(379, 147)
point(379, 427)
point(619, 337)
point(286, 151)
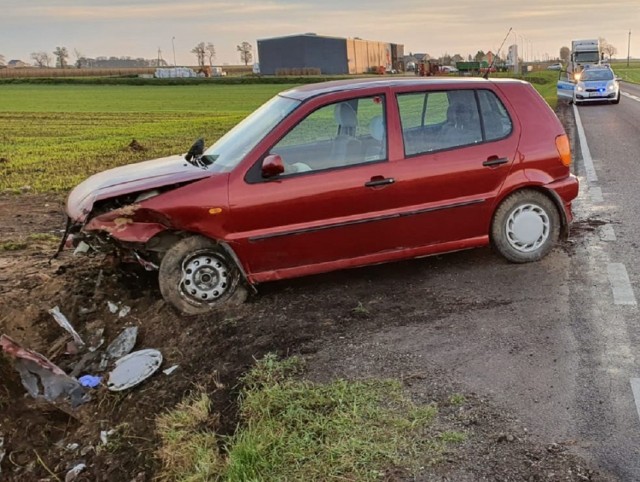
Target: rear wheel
point(525, 227)
point(197, 276)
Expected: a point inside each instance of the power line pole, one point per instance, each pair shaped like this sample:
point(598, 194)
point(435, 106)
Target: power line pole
point(629, 49)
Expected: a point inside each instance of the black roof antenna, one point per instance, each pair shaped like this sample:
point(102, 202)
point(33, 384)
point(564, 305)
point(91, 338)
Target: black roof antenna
point(486, 74)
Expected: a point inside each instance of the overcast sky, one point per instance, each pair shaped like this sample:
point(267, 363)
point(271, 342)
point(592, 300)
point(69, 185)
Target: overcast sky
point(138, 28)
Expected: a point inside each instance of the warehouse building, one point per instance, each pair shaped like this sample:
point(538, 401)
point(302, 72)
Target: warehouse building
point(310, 53)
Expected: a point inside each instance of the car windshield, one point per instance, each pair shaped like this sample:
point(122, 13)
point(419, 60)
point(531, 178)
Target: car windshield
point(604, 74)
point(231, 148)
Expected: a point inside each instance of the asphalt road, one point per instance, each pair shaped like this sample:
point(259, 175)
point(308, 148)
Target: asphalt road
point(553, 342)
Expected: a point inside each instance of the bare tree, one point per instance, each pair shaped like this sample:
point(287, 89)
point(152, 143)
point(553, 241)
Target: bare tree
point(609, 49)
point(200, 52)
point(81, 60)
point(41, 59)
point(245, 52)
point(62, 55)
point(479, 56)
point(211, 52)
point(565, 54)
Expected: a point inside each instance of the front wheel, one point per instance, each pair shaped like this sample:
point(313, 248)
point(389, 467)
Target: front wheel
point(197, 276)
point(616, 100)
point(525, 227)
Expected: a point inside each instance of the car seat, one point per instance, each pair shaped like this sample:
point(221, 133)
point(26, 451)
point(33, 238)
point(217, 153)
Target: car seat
point(346, 148)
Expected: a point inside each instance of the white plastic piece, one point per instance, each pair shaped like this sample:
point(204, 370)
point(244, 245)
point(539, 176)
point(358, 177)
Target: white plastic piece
point(133, 369)
point(64, 323)
point(170, 370)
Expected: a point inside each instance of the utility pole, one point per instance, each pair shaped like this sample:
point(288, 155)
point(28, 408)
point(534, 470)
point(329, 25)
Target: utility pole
point(174, 51)
point(629, 49)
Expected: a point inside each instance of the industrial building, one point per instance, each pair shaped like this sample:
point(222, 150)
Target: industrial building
point(311, 53)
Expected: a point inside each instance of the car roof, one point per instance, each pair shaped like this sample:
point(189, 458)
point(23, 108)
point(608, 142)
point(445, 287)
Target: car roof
point(307, 91)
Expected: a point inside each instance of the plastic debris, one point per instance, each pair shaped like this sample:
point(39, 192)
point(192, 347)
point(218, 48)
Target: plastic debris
point(113, 308)
point(2, 451)
point(133, 369)
point(170, 370)
point(123, 343)
point(96, 340)
point(124, 311)
point(74, 472)
point(72, 447)
point(37, 371)
point(89, 381)
point(81, 248)
point(104, 435)
point(64, 323)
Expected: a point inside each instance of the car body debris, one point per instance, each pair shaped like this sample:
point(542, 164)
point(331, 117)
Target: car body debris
point(122, 310)
point(74, 472)
point(134, 369)
point(37, 371)
point(2, 451)
point(123, 343)
point(170, 370)
point(64, 323)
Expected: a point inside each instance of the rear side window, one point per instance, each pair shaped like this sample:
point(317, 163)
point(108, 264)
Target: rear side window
point(433, 121)
point(496, 120)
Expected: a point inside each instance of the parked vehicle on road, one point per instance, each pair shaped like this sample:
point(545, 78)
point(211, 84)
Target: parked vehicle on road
point(557, 66)
point(594, 84)
point(338, 175)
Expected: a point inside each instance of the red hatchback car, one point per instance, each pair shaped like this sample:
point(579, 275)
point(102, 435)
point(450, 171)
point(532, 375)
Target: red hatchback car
point(337, 175)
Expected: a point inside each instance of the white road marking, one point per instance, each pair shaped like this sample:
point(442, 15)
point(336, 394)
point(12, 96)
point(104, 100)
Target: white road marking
point(584, 149)
point(620, 285)
point(635, 388)
point(607, 233)
point(595, 193)
point(630, 96)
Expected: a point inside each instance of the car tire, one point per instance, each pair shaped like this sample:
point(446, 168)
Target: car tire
point(525, 227)
point(616, 100)
point(197, 276)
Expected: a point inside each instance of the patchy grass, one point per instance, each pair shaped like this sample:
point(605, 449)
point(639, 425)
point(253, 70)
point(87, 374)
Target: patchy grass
point(457, 399)
point(12, 246)
point(189, 448)
point(291, 429)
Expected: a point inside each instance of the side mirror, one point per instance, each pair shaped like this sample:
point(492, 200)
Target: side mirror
point(196, 150)
point(272, 166)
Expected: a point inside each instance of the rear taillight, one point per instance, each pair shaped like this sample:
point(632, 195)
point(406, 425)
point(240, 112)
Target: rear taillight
point(564, 151)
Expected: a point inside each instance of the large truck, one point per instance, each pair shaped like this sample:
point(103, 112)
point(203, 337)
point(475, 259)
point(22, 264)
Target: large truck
point(585, 52)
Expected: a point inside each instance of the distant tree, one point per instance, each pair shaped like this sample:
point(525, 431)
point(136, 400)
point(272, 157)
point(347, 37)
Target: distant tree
point(245, 52)
point(565, 54)
point(609, 49)
point(211, 52)
point(41, 59)
point(81, 60)
point(479, 56)
point(1, 59)
point(446, 59)
point(200, 52)
point(457, 58)
point(61, 56)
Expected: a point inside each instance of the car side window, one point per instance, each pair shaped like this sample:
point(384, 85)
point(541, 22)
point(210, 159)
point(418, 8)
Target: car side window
point(495, 118)
point(450, 119)
point(340, 134)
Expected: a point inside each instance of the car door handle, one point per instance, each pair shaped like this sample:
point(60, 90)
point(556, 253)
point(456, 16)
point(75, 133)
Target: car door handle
point(495, 161)
point(379, 181)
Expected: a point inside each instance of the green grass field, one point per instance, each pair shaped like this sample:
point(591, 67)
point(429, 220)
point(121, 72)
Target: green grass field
point(54, 136)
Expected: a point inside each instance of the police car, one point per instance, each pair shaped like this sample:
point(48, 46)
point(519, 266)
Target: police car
point(596, 84)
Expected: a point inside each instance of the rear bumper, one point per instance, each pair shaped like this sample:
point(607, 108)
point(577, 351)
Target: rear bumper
point(565, 191)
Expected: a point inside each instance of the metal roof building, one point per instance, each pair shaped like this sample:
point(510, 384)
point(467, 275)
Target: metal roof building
point(326, 55)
